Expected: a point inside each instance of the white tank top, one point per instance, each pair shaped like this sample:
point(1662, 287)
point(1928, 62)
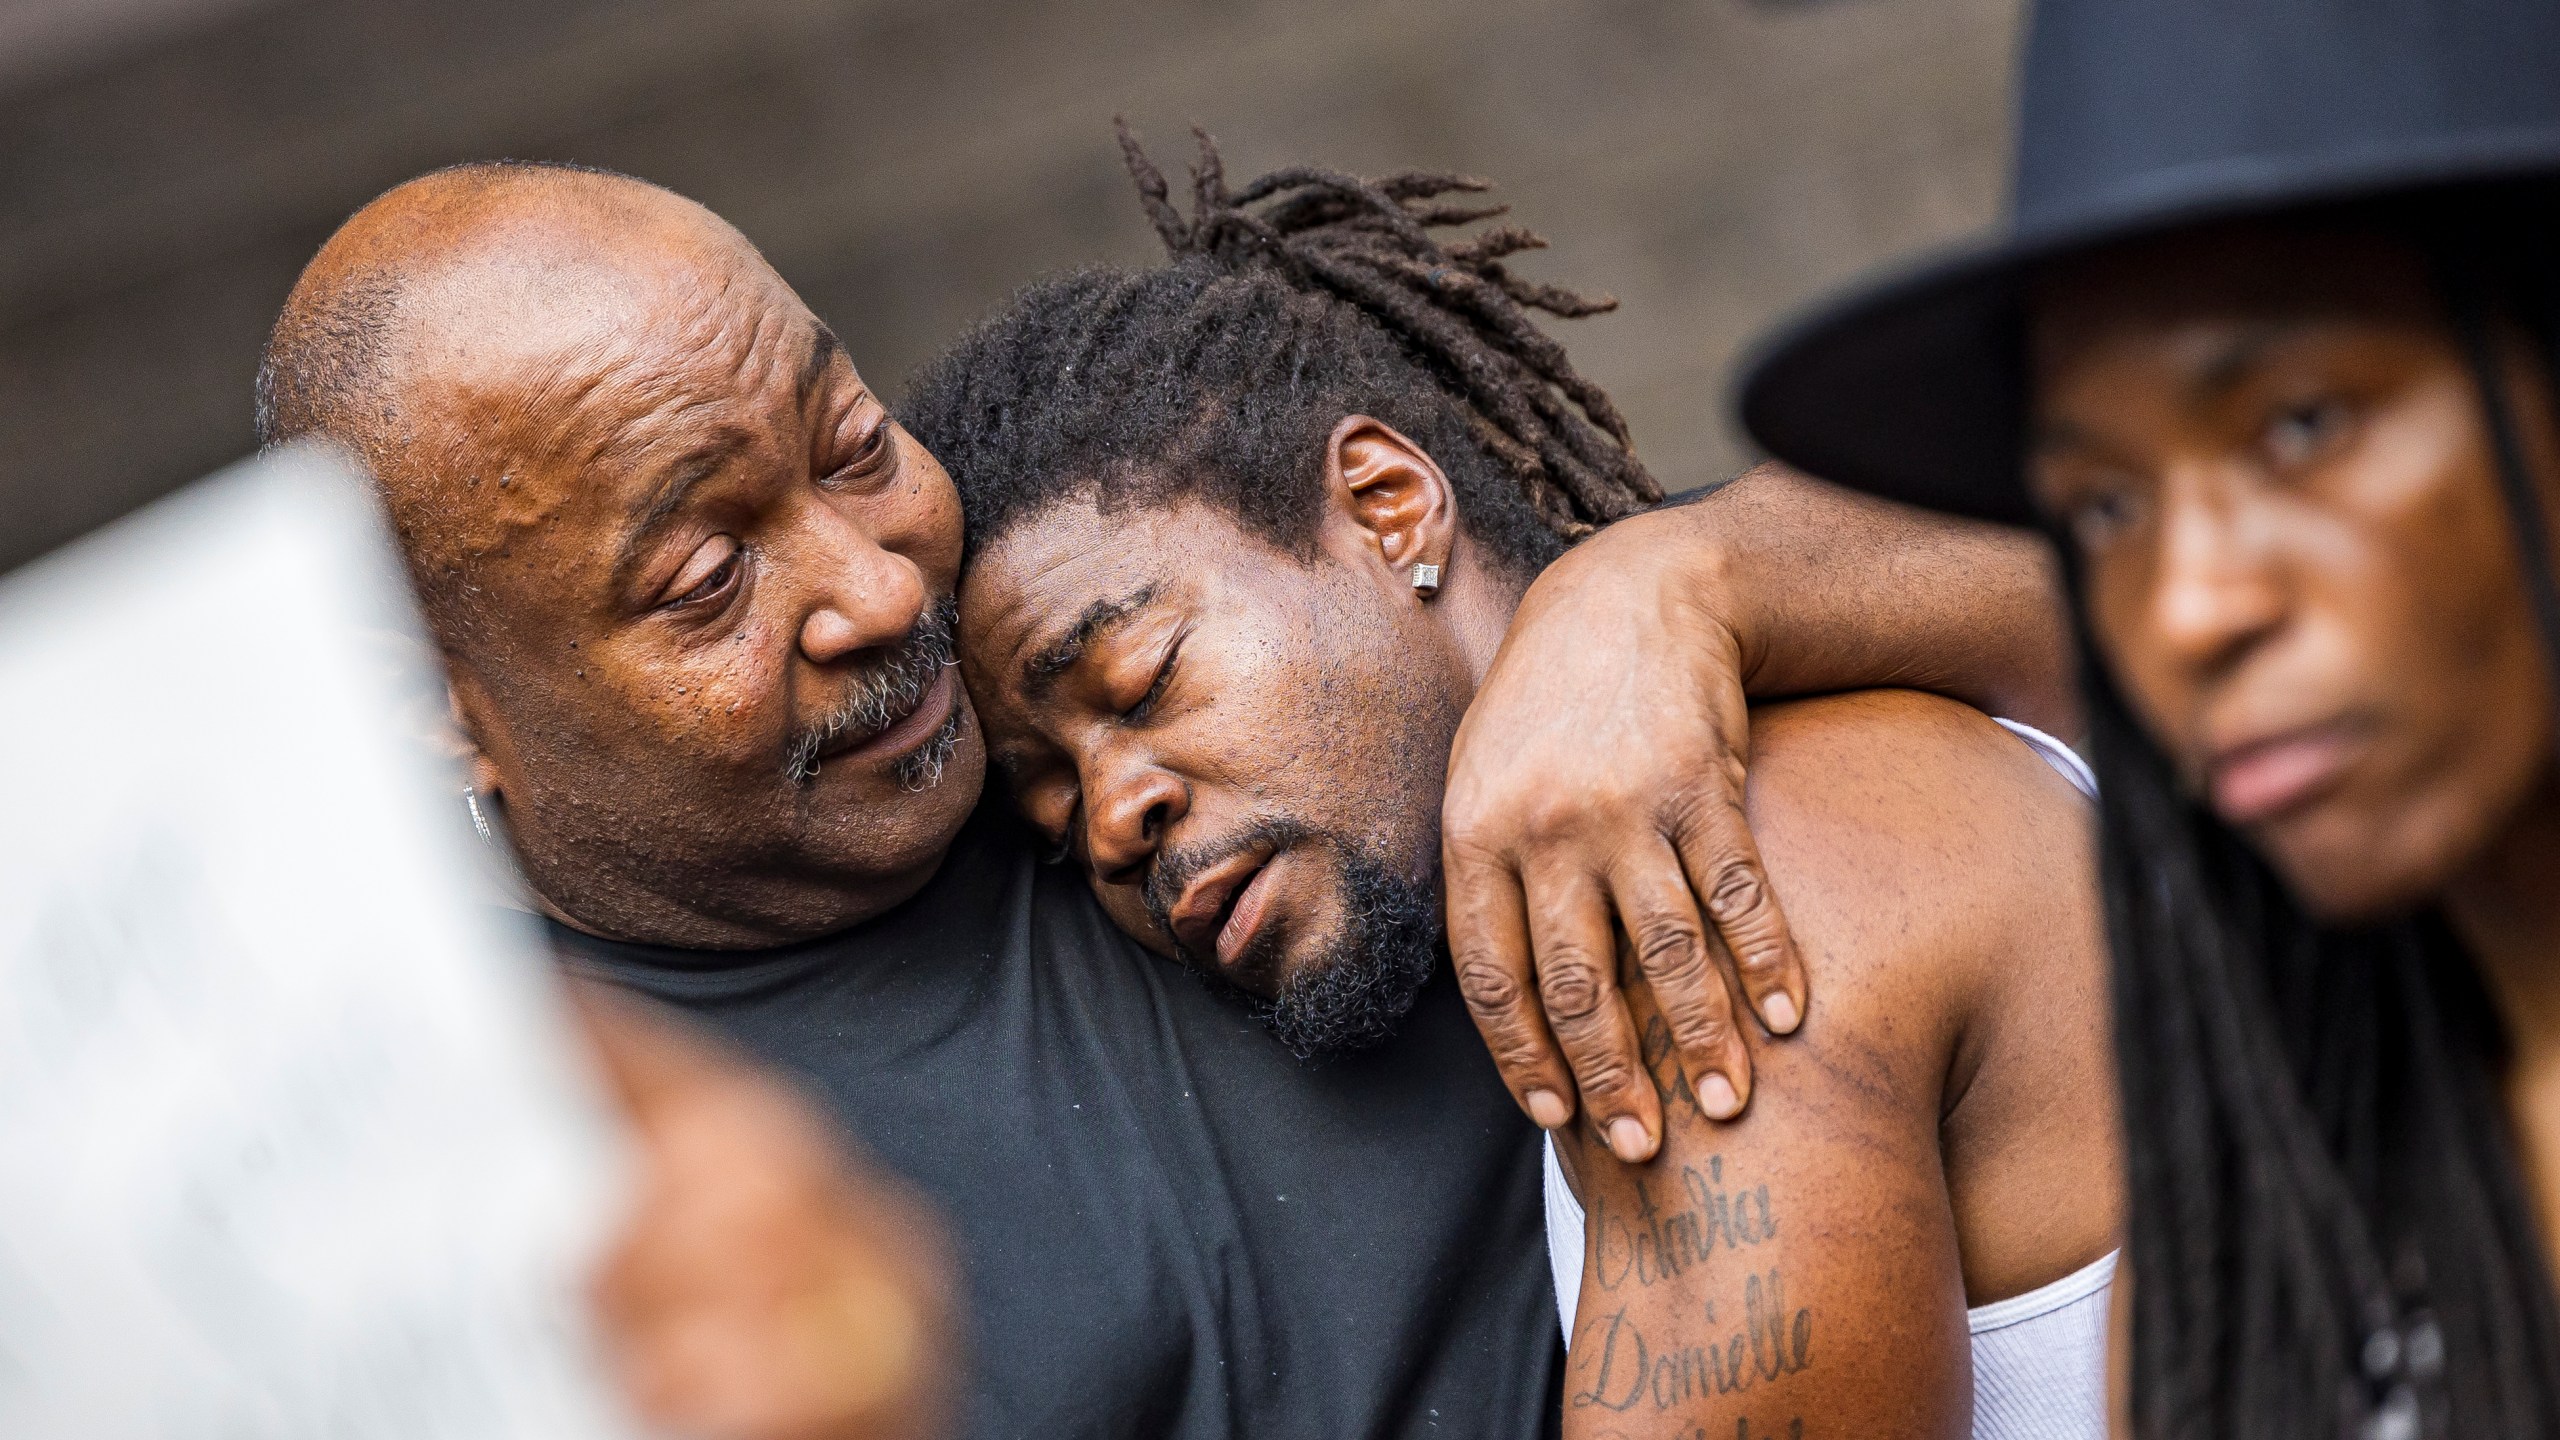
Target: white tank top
point(2039, 1359)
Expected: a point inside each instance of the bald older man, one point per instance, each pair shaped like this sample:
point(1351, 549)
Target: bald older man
point(693, 588)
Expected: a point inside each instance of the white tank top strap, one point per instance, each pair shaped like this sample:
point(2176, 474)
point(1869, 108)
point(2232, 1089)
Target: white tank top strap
point(2056, 754)
point(2090, 1279)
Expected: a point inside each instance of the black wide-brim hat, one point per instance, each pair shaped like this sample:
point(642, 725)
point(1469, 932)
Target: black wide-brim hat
point(2137, 117)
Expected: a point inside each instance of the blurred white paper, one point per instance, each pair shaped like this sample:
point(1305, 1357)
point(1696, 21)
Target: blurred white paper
point(293, 1142)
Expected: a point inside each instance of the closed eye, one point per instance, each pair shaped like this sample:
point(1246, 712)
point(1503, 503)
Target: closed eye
point(1137, 714)
point(708, 575)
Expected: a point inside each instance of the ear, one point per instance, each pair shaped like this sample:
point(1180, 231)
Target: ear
point(432, 713)
point(1391, 489)
point(466, 711)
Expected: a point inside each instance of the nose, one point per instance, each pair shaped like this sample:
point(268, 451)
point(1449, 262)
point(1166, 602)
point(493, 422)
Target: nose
point(1126, 817)
point(2215, 591)
point(861, 596)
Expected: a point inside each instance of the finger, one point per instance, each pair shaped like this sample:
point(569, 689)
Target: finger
point(1577, 954)
point(1489, 941)
point(1670, 941)
point(1725, 872)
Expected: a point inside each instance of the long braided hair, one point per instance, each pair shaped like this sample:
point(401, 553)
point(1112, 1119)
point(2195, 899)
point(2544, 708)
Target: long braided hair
point(1301, 298)
point(2328, 1229)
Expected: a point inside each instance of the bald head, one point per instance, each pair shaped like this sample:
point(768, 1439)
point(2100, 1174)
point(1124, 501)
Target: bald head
point(325, 364)
point(506, 280)
point(690, 579)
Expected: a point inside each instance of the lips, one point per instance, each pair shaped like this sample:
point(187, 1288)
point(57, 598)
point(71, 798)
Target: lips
point(894, 740)
point(1221, 909)
point(2262, 780)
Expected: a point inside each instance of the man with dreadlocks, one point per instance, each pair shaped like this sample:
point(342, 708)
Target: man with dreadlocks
point(1245, 530)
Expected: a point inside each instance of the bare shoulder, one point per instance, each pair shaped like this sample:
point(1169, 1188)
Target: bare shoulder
point(1943, 877)
point(1905, 827)
point(1898, 759)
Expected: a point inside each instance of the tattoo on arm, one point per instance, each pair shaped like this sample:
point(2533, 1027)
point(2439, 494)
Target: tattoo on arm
point(1720, 1325)
point(1663, 1237)
point(1742, 1431)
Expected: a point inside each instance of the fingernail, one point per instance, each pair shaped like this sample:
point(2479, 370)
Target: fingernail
point(1716, 1097)
point(1547, 1108)
point(1626, 1139)
point(1780, 1011)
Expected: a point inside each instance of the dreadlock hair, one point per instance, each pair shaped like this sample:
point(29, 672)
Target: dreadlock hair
point(1304, 297)
point(2328, 1229)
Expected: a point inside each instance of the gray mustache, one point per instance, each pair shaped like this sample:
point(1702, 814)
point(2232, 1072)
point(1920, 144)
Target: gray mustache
point(882, 693)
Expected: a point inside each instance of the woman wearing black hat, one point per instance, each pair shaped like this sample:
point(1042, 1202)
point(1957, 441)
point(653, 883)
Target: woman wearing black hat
point(2271, 348)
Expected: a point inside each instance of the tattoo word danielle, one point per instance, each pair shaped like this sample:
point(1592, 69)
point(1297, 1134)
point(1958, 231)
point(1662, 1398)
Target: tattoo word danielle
point(1626, 1370)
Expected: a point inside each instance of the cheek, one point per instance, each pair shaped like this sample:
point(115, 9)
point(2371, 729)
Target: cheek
point(920, 519)
point(1359, 744)
point(2452, 571)
point(2409, 570)
point(2442, 623)
point(724, 698)
point(2418, 555)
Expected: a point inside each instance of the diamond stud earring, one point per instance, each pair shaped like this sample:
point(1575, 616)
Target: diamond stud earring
point(1426, 578)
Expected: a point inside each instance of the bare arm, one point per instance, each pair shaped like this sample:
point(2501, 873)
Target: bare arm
point(1829, 589)
point(1801, 1266)
point(1597, 780)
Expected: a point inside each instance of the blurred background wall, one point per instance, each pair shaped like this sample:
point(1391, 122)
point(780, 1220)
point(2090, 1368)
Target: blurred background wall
point(166, 166)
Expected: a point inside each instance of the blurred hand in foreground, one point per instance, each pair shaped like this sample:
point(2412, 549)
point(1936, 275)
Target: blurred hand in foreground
point(1596, 786)
point(764, 1288)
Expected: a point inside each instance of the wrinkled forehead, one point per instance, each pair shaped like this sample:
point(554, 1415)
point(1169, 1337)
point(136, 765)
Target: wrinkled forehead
point(552, 394)
point(579, 353)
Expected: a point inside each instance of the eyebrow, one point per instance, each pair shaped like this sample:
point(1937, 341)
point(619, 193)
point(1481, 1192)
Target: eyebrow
point(2231, 362)
point(823, 350)
point(1041, 672)
point(2222, 369)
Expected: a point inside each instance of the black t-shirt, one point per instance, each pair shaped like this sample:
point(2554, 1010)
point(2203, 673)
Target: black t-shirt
point(1169, 1226)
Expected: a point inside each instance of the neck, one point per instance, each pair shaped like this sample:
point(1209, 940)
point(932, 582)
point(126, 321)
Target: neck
point(2507, 910)
point(753, 911)
point(1477, 607)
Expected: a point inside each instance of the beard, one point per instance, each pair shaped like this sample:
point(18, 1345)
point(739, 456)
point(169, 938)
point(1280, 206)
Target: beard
point(885, 692)
point(1356, 991)
point(1353, 993)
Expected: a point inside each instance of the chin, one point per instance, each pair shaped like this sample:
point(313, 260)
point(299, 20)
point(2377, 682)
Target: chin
point(899, 820)
point(1354, 992)
point(2346, 872)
